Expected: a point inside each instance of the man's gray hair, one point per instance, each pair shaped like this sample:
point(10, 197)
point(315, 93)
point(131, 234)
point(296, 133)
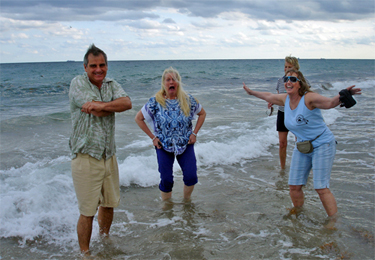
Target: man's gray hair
point(94, 51)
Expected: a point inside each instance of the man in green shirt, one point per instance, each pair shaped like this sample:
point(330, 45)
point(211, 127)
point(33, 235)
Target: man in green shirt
point(94, 99)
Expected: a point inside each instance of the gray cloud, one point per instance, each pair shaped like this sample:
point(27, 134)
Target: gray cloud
point(169, 20)
point(146, 25)
point(76, 10)
point(110, 10)
point(287, 9)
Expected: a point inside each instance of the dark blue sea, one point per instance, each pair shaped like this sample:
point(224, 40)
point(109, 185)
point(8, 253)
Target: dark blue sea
point(240, 207)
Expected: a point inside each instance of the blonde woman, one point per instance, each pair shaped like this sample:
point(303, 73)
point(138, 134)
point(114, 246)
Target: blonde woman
point(170, 114)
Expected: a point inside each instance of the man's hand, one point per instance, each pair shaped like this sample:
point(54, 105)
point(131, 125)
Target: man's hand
point(92, 106)
point(98, 108)
point(95, 108)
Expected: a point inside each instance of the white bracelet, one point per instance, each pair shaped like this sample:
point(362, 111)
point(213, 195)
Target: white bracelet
point(194, 134)
point(154, 138)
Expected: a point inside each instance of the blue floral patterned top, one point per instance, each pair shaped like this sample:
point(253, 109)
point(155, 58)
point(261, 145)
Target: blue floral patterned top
point(170, 124)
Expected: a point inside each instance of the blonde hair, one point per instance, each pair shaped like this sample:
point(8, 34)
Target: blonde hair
point(293, 61)
point(303, 83)
point(182, 96)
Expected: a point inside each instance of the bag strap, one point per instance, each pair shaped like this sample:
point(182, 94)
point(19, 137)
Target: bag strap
point(318, 135)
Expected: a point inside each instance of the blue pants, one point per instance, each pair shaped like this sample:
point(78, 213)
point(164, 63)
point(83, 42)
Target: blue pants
point(187, 162)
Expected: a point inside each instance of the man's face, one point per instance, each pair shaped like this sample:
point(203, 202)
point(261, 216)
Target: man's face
point(96, 69)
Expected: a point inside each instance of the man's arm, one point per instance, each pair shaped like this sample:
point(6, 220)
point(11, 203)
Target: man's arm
point(98, 108)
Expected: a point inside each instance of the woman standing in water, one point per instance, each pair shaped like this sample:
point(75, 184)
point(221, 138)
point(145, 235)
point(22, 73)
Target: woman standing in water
point(290, 63)
point(170, 114)
point(304, 119)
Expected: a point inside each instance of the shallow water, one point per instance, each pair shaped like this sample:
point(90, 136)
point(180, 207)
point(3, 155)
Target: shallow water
point(240, 207)
point(237, 212)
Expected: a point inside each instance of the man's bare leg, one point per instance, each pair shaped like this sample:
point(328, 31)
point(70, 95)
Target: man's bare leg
point(105, 218)
point(84, 230)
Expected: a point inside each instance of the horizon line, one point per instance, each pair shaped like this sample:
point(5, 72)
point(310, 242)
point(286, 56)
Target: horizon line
point(219, 59)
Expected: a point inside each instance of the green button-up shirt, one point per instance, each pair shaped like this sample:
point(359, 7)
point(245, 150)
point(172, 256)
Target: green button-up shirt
point(91, 134)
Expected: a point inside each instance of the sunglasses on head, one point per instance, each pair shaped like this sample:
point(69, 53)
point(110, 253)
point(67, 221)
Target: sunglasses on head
point(292, 79)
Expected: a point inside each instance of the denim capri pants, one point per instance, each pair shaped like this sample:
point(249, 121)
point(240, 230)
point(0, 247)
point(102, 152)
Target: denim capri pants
point(187, 162)
point(320, 161)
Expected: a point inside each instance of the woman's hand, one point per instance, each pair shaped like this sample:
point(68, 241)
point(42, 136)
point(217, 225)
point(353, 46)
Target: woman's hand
point(354, 91)
point(192, 139)
point(246, 88)
point(156, 142)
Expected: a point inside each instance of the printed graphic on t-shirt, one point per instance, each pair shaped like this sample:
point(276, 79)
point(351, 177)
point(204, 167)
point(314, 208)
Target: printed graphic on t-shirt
point(301, 120)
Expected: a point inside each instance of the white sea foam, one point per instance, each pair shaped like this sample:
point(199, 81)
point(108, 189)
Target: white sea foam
point(331, 115)
point(363, 84)
point(38, 199)
point(140, 170)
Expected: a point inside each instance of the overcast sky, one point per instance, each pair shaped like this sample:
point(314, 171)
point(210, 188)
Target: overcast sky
point(60, 30)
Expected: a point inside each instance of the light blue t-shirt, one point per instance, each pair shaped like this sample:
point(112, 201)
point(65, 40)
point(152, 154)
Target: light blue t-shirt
point(307, 124)
point(170, 124)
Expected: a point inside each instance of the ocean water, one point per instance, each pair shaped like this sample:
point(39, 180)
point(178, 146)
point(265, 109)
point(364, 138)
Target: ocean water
point(239, 208)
